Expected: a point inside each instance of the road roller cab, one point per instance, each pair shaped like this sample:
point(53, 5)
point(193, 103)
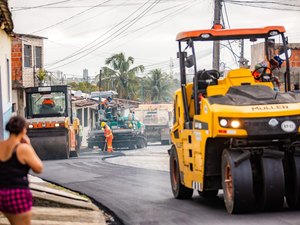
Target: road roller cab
point(54, 133)
point(232, 130)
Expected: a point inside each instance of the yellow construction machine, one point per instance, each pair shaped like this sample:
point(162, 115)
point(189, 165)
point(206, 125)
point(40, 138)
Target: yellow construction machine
point(232, 129)
point(53, 131)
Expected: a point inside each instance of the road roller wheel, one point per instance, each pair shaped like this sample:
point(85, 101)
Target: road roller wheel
point(292, 180)
point(270, 192)
point(179, 190)
point(208, 194)
point(237, 183)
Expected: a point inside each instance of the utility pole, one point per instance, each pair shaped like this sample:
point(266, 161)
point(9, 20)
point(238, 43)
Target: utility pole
point(100, 77)
point(242, 53)
point(216, 47)
point(243, 63)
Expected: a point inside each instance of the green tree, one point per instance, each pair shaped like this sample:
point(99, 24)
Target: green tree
point(158, 86)
point(119, 75)
point(85, 87)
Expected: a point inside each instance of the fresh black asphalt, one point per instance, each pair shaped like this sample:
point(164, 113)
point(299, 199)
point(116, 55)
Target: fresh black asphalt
point(144, 197)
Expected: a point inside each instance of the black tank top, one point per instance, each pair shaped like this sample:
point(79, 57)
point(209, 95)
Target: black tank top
point(13, 174)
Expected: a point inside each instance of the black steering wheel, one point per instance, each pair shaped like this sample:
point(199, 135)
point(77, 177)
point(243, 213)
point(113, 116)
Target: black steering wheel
point(210, 74)
point(264, 76)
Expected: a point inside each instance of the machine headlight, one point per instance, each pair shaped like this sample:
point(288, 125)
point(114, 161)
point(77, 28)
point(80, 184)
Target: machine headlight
point(56, 125)
point(30, 126)
point(223, 122)
point(230, 123)
point(235, 124)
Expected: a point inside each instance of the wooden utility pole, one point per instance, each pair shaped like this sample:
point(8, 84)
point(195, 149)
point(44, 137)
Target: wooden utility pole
point(100, 81)
point(216, 47)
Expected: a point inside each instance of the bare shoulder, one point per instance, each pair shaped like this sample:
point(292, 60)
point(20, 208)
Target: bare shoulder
point(23, 151)
point(25, 147)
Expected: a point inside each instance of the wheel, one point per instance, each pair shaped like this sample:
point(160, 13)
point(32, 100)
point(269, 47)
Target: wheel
point(179, 190)
point(131, 146)
point(141, 143)
point(67, 153)
point(292, 180)
point(208, 194)
point(270, 193)
point(237, 183)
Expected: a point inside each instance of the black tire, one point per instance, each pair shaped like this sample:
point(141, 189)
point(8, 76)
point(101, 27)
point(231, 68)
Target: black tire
point(141, 143)
point(179, 190)
point(67, 149)
point(131, 146)
point(270, 195)
point(237, 183)
point(208, 194)
point(292, 180)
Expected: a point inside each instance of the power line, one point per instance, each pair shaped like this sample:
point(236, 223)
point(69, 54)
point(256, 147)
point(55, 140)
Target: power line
point(38, 6)
point(82, 49)
point(227, 19)
point(265, 5)
point(160, 21)
point(263, 2)
point(118, 32)
point(71, 17)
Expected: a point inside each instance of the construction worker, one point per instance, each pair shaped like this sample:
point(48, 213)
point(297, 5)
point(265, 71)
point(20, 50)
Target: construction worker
point(48, 106)
point(264, 71)
point(105, 103)
point(108, 136)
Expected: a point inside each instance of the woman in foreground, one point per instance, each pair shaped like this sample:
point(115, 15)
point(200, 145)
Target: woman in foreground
point(17, 157)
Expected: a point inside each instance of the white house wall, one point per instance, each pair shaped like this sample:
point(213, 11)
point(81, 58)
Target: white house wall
point(90, 126)
point(5, 87)
point(28, 72)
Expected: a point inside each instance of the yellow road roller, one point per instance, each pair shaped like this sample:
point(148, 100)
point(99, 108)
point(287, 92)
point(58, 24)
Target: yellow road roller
point(236, 126)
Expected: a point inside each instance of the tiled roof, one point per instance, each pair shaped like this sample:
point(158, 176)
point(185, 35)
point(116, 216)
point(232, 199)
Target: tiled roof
point(5, 17)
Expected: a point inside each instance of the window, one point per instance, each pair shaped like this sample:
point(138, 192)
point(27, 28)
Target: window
point(92, 117)
point(38, 57)
point(79, 115)
point(8, 81)
point(52, 104)
point(85, 117)
point(27, 56)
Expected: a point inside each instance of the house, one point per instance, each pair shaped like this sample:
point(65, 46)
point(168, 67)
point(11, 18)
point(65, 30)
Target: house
point(27, 60)
point(85, 109)
point(6, 34)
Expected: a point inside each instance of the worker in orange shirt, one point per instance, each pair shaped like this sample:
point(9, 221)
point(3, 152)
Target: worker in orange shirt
point(264, 71)
point(108, 136)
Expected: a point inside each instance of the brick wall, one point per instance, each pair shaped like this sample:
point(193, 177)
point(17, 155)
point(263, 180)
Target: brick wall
point(16, 59)
point(295, 58)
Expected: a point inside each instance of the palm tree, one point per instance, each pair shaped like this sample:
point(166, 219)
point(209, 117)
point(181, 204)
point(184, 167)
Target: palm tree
point(158, 83)
point(120, 76)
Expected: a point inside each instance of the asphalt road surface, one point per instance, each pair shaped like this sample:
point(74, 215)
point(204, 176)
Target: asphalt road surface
point(135, 186)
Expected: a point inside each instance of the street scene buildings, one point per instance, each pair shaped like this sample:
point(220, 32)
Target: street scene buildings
point(138, 124)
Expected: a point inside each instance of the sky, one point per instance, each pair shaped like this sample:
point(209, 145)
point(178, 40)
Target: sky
point(81, 34)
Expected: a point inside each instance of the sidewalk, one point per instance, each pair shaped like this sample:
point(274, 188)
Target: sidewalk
point(53, 205)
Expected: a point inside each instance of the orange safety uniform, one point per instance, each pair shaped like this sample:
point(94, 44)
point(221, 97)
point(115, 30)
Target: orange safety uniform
point(48, 101)
point(109, 137)
point(269, 66)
